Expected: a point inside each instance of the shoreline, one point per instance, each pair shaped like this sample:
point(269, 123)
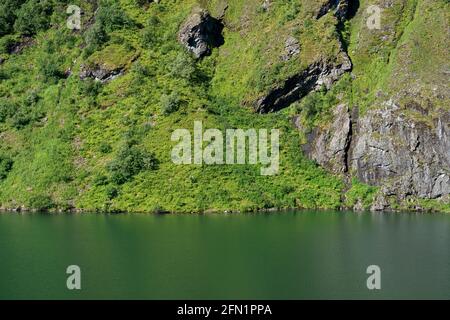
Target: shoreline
point(213, 212)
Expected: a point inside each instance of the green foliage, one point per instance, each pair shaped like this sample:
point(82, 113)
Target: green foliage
point(49, 66)
point(33, 16)
point(151, 34)
point(111, 192)
point(63, 133)
point(7, 109)
point(183, 67)
point(41, 202)
point(8, 9)
point(6, 43)
point(360, 192)
point(109, 17)
point(170, 103)
point(95, 37)
point(105, 148)
point(6, 164)
point(130, 161)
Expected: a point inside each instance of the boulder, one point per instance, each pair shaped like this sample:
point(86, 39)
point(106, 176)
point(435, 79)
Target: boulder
point(201, 32)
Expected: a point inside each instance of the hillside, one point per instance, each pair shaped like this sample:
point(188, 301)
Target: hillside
point(86, 116)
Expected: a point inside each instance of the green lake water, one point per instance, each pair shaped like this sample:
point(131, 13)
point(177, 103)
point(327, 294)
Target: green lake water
point(296, 255)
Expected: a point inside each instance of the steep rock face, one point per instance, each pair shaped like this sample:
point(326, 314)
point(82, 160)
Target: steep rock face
point(385, 148)
point(200, 33)
point(407, 157)
point(329, 147)
point(318, 74)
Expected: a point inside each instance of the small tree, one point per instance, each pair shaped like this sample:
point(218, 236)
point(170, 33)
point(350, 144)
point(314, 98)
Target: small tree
point(33, 16)
point(130, 161)
point(6, 165)
point(169, 103)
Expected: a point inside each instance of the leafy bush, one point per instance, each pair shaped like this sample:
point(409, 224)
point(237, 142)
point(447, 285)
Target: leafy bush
point(129, 162)
point(6, 165)
point(49, 68)
point(33, 16)
point(151, 36)
point(94, 37)
point(111, 16)
point(169, 103)
point(183, 67)
point(100, 180)
point(105, 148)
point(41, 202)
point(108, 18)
point(111, 192)
point(6, 43)
point(7, 109)
point(8, 15)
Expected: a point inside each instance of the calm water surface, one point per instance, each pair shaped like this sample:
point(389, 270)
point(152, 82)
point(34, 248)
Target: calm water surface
point(298, 255)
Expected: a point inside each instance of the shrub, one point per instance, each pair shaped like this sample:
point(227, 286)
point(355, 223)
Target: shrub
point(49, 68)
point(183, 67)
point(105, 148)
point(95, 37)
point(7, 109)
point(8, 15)
point(169, 103)
point(7, 43)
point(129, 162)
point(108, 18)
point(41, 202)
point(33, 16)
point(150, 35)
point(111, 192)
point(100, 180)
point(111, 16)
point(6, 165)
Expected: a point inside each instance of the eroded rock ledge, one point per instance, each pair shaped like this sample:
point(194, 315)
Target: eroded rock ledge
point(318, 74)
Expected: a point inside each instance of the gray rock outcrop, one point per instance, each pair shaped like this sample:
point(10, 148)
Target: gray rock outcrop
point(385, 148)
point(407, 157)
point(201, 32)
point(100, 73)
point(329, 147)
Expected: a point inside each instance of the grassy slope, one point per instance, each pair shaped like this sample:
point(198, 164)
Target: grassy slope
point(76, 128)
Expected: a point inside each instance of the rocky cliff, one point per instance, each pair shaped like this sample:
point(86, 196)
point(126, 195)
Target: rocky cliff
point(358, 89)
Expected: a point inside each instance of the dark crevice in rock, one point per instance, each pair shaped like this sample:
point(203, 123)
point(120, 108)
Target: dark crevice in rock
point(404, 157)
point(353, 7)
point(340, 8)
point(348, 145)
point(296, 87)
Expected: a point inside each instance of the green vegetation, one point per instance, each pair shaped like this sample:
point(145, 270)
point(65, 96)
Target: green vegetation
point(72, 143)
